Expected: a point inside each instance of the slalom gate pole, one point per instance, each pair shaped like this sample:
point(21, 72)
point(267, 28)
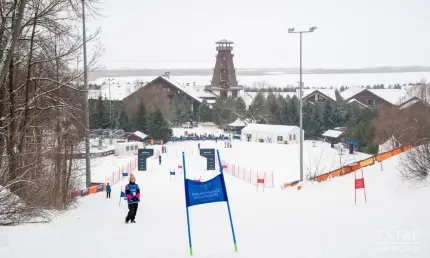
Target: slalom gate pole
point(188, 215)
point(228, 203)
point(120, 198)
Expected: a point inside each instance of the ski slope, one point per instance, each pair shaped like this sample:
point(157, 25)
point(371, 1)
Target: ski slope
point(318, 221)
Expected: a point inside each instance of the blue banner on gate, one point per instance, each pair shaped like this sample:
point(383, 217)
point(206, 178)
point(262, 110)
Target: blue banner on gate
point(205, 192)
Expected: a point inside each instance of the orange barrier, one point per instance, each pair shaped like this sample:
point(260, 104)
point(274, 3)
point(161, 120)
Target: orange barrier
point(362, 163)
point(407, 147)
point(335, 173)
point(367, 162)
point(383, 156)
point(345, 170)
point(92, 190)
point(396, 151)
point(322, 177)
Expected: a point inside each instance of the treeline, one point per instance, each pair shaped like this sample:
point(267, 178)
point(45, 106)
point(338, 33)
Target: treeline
point(270, 108)
point(293, 88)
point(105, 114)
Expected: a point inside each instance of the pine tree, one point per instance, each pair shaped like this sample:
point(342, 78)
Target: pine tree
point(240, 106)
point(181, 109)
point(205, 112)
point(124, 123)
point(257, 110)
point(274, 109)
point(328, 115)
point(102, 114)
point(160, 129)
point(142, 118)
point(293, 111)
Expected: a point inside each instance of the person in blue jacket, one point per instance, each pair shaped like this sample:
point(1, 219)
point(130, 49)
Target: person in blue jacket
point(132, 192)
point(108, 190)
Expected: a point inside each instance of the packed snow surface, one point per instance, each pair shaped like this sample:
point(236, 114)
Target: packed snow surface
point(320, 220)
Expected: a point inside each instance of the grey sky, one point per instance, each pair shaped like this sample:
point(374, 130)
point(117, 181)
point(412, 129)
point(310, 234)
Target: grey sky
point(181, 34)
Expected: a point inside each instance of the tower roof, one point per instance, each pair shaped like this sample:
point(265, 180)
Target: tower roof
point(224, 41)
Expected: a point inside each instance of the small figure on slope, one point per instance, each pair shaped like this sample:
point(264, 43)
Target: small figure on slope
point(159, 160)
point(132, 191)
point(108, 190)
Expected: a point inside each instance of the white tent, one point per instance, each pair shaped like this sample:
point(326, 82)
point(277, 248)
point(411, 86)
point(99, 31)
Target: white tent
point(127, 148)
point(271, 133)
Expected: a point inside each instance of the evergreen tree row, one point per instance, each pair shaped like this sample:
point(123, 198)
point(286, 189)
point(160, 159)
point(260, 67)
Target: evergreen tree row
point(149, 121)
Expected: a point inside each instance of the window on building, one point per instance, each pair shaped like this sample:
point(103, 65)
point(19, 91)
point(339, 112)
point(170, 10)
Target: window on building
point(294, 137)
point(371, 102)
point(127, 148)
point(279, 138)
point(290, 137)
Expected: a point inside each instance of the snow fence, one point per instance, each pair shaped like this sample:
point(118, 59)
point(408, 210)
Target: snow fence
point(115, 177)
point(252, 176)
point(360, 164)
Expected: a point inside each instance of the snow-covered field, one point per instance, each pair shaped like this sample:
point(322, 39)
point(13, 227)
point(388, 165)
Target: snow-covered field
point(281, 159)
point(320, 220)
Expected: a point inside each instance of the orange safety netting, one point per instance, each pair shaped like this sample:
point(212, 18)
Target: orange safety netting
point(322, 177)
point(367, 162)
point(92, 190)
point(407, 147)
point(396, 151)
point(345, 170)
point(335, 173)
point(383, 156)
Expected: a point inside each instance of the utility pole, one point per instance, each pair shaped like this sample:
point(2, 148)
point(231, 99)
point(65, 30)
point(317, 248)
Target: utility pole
point(86, 108)
point(292, 30)
point(110, 103)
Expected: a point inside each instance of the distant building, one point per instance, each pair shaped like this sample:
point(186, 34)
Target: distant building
point(271, 133)
point(318, 96)
point(379, 98)
point(137, 136)
point(224, 82)
point(334, 136)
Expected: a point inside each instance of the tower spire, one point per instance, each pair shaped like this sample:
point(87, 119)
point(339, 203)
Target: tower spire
point(224, 76)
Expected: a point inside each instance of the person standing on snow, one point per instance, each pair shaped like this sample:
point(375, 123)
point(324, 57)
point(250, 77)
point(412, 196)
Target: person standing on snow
point(159, 160)
point(132, 191)
point(108, 190)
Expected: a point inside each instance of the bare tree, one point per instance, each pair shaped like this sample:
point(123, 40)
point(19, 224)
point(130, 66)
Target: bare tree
point(415, 165)
point(41, 122)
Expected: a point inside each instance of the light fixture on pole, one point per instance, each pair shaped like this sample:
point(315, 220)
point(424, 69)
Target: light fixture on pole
point(110, 103)
point(292, 30)
point(86, 106)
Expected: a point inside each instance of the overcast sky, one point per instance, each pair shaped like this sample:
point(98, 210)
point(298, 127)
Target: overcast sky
point(181, 34)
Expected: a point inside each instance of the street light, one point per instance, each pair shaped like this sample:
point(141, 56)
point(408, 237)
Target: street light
point(86, 106)
point(292, 30)
point(110, 102)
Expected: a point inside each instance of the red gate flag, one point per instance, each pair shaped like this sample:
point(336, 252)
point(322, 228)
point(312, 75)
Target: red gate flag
point(359, 184)
point(261, 181)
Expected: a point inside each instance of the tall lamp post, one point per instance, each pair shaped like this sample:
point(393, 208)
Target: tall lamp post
point(110, 102)
point(292, 30)
point(86, 108)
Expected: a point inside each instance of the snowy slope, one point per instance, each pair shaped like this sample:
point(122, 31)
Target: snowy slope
point(318, 221)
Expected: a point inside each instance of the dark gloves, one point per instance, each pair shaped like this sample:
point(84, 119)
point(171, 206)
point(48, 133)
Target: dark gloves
point(134, 199)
